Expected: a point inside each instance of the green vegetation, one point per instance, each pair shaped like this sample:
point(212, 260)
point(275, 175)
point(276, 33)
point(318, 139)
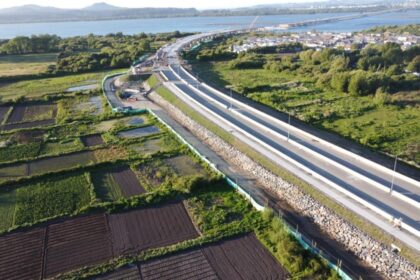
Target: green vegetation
point(48, 86)
point(7, 208)
point(106, 187)
point(18, 152)
point(364, 95)
point(289, 252)
point(83, 53)
point(30, 64)
point(353, 218)
point(413, 29)
point(51, 198)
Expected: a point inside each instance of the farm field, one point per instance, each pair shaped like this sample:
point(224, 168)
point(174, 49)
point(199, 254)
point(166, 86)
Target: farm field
point(116, 183)
point(128, 182)
point(42, 123)
point(81, 106)
point(238, 258)
point(128, 203)
point(47, 198)
point(92, 140)
point(148, 147)
point(139, 132)
point(3, 112)
point(77, 242)
point(21, 255)
point(50, 164)
point(47, 86)
point(32, 112)
point(15, 65)
point(65, 146)
point(184, 166)
point(88, 240)
point(151, 227)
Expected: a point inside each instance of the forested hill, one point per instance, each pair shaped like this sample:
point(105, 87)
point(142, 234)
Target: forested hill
point(103, 11)
point(33, 13)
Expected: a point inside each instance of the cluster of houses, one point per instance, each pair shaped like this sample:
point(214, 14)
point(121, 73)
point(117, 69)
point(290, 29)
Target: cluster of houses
point(320, 40)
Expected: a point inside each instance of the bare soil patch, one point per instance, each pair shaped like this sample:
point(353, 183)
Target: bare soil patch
point(21, 255)
point(243, 258)
point(76, 243)
point(128, 273)
point(150, 228)
point(127, 181)
point(32, 112)
point(92, 140)
point(188, 265)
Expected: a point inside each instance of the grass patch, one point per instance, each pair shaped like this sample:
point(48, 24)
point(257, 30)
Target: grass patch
point(7, 208)
point(51, 148)
point(50, 198)
point(47, 86)
point(15, 65)
point(18, 152)
point(107, 189)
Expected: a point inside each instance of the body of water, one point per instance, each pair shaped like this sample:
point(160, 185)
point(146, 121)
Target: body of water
point(201, 24)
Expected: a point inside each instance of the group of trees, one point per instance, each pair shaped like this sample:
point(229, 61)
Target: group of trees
point(88, 53)
point(33, 44)
point(358, 72)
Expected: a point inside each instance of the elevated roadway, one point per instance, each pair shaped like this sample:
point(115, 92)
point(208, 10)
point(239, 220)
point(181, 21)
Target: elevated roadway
point(357, 183)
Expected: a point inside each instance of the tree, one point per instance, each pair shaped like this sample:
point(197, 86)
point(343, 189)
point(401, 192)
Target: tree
point(358, 84)
point(414, 65)
point(340, 81)
point(381, 97)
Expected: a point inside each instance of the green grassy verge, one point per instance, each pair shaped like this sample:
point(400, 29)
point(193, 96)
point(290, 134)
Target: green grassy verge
point(353, 218)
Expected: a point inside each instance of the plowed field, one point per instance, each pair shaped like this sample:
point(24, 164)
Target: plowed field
point(76, 243)
point(243, 258)
point(21, 255)
point(129, 273)
point(190, 265)
point(240, 258)
point(67, 245)
point(127, 181)
point(150, 228)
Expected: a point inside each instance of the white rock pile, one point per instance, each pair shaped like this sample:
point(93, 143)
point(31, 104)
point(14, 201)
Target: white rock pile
point(372, 252)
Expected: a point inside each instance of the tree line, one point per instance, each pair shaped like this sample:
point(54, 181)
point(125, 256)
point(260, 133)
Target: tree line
point(88, 53)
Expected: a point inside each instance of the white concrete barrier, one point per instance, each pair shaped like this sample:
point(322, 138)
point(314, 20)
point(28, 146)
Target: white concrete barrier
point(308, 150)
point(320, 140)
point(301, 166)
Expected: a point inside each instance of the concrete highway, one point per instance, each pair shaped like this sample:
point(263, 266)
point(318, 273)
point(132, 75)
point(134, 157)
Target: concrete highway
point(303, 155)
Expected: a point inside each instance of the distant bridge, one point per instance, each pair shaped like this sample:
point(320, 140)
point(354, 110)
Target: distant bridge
point(329, 20)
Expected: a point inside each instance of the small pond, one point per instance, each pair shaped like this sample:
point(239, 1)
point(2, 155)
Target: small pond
point(139, 132)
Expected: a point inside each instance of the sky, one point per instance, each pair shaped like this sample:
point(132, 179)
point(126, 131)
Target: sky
point(148, 3)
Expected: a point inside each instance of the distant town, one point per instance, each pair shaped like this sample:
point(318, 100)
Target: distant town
point(320, 40)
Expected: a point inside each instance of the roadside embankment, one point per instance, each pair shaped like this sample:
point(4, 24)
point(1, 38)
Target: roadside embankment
point(374, 253)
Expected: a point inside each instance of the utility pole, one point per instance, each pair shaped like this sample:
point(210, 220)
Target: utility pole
point(230, 94)
point(288, 128)
point(393, 174)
